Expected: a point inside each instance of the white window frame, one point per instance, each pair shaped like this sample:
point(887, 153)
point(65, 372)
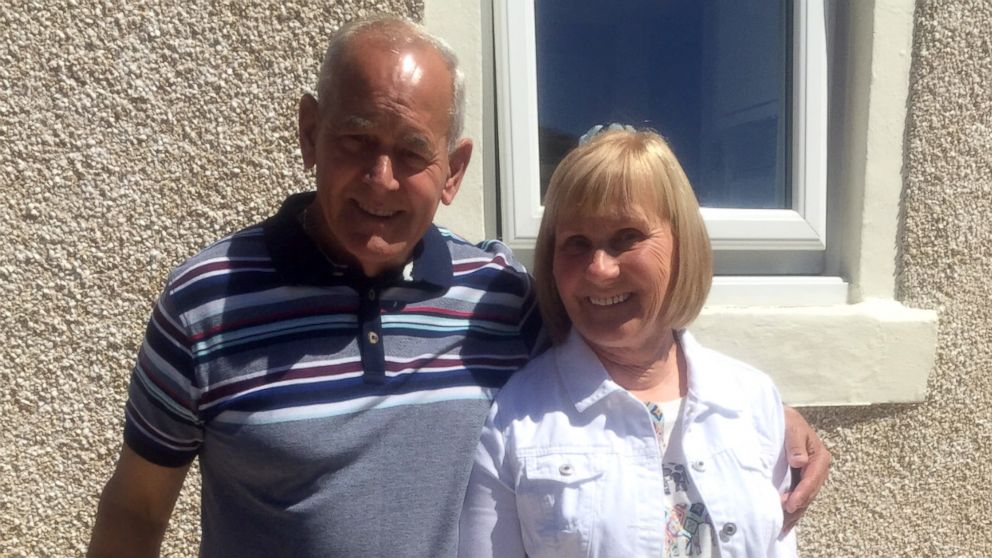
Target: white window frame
point(803, 227)
point(866, 348)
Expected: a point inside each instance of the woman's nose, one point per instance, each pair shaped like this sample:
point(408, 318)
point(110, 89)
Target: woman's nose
point(603, 266)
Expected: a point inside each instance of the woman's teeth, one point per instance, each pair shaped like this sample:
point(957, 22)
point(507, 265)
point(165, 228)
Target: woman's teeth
point(609, 301)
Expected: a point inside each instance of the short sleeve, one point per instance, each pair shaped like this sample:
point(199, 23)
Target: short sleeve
point(161, 420)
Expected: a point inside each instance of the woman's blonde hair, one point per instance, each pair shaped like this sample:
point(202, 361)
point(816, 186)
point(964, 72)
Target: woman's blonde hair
point(616, 171)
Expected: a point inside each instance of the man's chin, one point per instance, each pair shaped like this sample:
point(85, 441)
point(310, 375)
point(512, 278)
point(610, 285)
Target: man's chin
point(377, 255)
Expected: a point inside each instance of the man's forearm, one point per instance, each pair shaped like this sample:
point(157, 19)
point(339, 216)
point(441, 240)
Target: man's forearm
point(135, 508)
point(122, 532)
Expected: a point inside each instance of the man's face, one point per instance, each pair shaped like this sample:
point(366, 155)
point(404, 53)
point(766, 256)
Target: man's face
point(379, 143)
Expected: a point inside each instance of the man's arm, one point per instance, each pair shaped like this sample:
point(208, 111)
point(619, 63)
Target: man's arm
point(807, 453)
point(135, 507)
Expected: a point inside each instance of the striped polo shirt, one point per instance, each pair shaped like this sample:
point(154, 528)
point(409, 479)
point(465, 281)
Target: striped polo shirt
point(332, 414)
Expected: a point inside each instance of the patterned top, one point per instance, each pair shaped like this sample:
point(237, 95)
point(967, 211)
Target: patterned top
point(688, 528)
point(332, 414)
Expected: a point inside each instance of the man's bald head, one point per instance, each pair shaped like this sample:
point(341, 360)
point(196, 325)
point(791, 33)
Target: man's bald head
point(393, 31)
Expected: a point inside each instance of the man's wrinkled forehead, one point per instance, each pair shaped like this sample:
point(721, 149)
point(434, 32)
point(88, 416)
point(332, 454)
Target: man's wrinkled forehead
point(380, 59)
point(387, 85)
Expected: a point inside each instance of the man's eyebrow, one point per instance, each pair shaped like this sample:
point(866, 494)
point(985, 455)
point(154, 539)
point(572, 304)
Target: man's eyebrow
point(354, 122)
point(418, 141)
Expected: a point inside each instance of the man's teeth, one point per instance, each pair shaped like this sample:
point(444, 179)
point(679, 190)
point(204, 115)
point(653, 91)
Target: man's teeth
point(377, 212)
point(609, 301)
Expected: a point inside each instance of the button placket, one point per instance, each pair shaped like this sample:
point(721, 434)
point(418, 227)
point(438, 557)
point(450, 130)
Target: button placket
point(370, 336)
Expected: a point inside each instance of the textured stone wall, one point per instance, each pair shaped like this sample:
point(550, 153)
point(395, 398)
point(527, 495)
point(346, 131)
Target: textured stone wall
point(131, 135)
point(916, 480)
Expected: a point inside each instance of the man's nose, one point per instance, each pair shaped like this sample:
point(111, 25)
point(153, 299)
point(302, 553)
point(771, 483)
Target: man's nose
point(381, 172)
point(603, 266)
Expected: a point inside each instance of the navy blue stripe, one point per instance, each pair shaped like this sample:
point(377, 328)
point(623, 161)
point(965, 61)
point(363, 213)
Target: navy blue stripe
point(224, 285)
point(346, 389)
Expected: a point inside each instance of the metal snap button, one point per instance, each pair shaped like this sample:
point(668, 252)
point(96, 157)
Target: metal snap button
point(728, 530)
point(373, 337)
point(698, 466)
point(566, 470)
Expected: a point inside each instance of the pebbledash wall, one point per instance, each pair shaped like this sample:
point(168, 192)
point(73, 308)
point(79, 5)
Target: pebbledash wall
point(134, 133)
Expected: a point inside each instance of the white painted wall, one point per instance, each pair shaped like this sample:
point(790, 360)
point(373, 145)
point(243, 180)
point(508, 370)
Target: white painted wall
point(460, 23)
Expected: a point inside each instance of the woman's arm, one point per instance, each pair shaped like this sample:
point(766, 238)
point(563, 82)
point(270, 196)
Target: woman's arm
point(489, 526)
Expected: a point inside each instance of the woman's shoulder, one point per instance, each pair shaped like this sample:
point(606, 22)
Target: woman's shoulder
point(538, 374)
point(731, 382)
point(530, 387)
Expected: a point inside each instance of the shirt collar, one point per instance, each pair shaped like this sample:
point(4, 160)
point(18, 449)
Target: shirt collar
point(585, 379)
point(298, 259)
point(587, 382)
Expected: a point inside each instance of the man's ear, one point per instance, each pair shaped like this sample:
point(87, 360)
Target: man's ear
point(457, 163)
point(309, 118)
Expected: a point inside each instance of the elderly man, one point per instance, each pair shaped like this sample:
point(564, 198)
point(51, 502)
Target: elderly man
point(331, 366)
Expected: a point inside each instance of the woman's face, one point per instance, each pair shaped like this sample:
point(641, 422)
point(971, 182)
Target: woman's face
point(613, 274)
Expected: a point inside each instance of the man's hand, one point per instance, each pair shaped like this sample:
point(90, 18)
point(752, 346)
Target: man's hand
point(806, 453)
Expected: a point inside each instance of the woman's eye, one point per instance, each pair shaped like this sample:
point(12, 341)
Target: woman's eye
point(575, 245)
point(627, 238)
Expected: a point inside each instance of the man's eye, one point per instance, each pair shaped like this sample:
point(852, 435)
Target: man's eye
point(414, 159)
point(354, 144)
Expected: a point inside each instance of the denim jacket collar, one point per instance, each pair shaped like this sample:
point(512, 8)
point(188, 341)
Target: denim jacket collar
point(587, 382)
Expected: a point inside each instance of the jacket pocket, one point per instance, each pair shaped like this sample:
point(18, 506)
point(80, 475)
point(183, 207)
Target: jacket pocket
point(557, 502)
point(752, 503)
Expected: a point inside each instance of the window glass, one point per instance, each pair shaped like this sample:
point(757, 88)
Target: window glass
point(712, 77)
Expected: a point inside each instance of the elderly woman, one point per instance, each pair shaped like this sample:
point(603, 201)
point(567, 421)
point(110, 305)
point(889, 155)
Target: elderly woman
point(627, 438)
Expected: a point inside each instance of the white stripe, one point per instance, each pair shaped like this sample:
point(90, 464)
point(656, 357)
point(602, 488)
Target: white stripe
point(266, 331)
point(310, 364)
point(284, 383)
point(309, 412)
point(280, 295)
point(456, 363)
point(165, 369)
point(210, 274)
point(430, 323)
point(153, 391)
point(178, 343)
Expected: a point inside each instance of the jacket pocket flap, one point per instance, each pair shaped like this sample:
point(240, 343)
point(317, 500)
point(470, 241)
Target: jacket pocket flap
point(563, 468)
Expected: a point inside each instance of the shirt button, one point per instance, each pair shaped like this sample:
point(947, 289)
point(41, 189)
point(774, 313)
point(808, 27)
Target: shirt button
point(373, 337)
point(698, 466)
point(728, 530)
point(371, 294)
point(566, 470)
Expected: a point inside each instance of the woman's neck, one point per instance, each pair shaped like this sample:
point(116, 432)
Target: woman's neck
point(654, 374)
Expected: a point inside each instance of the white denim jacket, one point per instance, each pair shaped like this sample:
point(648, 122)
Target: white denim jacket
point(568, 463)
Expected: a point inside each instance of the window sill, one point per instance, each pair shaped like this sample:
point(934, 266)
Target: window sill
point(877, 351)
point(779, 291)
